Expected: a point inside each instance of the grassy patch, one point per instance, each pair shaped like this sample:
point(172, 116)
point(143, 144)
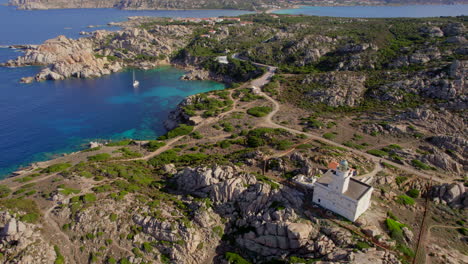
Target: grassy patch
point(362, 245)
point(100, 157)
point(4, 191)
point(127, 153)
point(420, 165)
point(259, 111)
point(120, 143)
point(405, 200)
point(59, 259)
point(394, 227)
point(153, 145)
point(413, 193)
point(23, 205)
point(67, 191)
point(56, 168)
point(266, 180)
point(91, 149)
point(181, 130)
point(329, 136)
point(377, 152)
point(234, 258)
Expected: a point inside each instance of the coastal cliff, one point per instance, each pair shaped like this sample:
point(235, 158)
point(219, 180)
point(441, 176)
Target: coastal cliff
point(103, 53)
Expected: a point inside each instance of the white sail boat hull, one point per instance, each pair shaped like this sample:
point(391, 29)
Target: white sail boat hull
point(135, 82)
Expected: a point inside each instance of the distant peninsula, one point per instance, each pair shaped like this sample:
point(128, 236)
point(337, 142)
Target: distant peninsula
point(254, 5)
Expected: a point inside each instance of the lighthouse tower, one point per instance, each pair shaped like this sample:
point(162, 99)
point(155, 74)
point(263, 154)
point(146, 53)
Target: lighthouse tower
point(341, 177)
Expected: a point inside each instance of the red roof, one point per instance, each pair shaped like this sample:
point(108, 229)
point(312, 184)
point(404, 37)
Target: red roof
point(333, 165)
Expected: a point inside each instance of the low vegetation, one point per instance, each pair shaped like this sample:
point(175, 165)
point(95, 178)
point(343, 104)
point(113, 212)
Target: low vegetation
point(259, 111)
point(59, 167)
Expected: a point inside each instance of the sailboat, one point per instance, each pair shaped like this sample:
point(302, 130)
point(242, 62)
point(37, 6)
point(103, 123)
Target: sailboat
point(135, 82)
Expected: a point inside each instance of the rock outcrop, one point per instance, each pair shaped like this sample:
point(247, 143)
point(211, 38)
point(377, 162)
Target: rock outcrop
point(103, 53)
point(23, 241)
point(336, 88)
point(455, 195)
point(66, 58)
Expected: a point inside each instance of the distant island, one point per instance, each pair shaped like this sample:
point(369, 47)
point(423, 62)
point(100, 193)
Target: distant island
point(255, 5)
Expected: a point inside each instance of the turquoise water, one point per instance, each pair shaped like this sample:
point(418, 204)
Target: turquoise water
point(40, 120)
point(379, 11)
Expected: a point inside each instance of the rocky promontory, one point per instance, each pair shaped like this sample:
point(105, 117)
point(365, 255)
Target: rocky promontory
point(102, 53)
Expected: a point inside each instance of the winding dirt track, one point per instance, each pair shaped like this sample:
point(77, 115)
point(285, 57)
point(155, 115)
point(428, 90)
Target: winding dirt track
point(268, 121)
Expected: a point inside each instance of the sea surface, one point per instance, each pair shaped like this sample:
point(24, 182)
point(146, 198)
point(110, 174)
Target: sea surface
point(379, 11)
point(42, 120)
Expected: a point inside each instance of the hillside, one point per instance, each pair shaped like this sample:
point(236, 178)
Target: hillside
point(387, 95)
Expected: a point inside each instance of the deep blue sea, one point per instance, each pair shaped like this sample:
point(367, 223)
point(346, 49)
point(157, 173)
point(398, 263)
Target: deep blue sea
point(379, 11)
point(41, 120)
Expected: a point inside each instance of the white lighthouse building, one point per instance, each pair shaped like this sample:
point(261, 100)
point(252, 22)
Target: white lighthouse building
point(337, 191)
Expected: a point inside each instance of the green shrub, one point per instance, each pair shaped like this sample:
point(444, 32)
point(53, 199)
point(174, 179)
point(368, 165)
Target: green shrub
point(227, 127)
point(218, 230)
point(420, 165)
point(127, 153)
point(111, 260)
point(23, 205)
point(305, 146)
point(124, 261)
point(259, 111)
point(196, 135)
point(394, 227)
point(329, 136)
point(234, 258)
point(113, 217)
point(91, 149)
point(405, 200)
point(59, 259)
point(4, 191)
point(463, 231)
point(225, 144)
point(153, 145)
point(377, 152)
point(278, 206)
point(146, 246)
point(88, 198)
point(400, 179)
point(405, 250)
point(413, 193)
point(283, 144)
point(362, 245)
point(68, 191)
point(181, 130)
point(120, 143)
point(56, 168)
point(268, 181)
point(24, 179)
point(99, 157)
